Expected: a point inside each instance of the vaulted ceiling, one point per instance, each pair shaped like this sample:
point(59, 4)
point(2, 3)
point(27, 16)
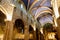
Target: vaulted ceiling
point(34, 3)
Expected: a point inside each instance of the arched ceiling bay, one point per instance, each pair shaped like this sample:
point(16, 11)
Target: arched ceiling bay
point(34, 3)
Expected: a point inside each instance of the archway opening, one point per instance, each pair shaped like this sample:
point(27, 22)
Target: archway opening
point(19, 26)
point(2, 22)
point(31, 32)
point(18, 30)
point(30, 29)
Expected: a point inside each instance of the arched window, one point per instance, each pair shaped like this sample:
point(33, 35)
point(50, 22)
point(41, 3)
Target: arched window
point(19, 26)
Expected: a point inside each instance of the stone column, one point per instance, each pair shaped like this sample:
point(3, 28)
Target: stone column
point(38, 35)
point(8, 31)
point(58, 28)
point(34, 35)
point(26, 32)
point(26, 28)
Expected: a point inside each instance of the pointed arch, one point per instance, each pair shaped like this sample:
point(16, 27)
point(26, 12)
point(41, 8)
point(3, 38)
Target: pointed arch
point(3, 10)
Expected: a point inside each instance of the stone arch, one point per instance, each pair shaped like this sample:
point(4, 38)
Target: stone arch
point(46, 11)
point(3, 10)
point(2, 22)
point(2, 15)
point(42, 10)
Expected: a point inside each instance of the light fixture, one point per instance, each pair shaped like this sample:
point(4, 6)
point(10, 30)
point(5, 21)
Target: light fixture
point(21, 5)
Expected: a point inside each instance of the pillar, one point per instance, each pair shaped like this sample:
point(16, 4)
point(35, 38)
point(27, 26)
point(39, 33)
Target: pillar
point(34, 35)
point(8, 31)
point(38, 35)
point(26, 32)
point(58, 28)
